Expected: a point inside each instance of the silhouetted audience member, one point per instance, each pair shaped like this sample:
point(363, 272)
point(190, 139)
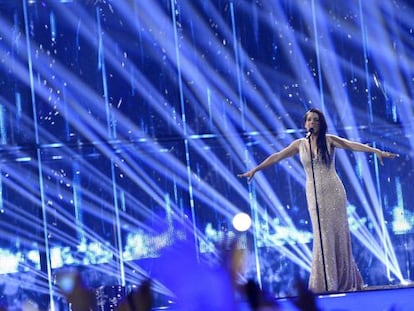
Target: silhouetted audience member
point(305, 300)
point(140, 299)
point(258, 299)
point(74, 290)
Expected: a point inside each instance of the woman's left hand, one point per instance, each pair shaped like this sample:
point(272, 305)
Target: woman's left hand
point(385, 154)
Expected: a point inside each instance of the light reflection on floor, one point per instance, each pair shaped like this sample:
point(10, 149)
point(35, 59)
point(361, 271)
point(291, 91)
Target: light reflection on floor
point(386, 298)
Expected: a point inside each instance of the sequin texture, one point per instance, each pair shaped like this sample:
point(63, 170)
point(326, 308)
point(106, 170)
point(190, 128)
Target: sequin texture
point(341, 271)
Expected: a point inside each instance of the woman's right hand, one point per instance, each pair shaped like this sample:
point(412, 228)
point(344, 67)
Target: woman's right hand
point(248, 174)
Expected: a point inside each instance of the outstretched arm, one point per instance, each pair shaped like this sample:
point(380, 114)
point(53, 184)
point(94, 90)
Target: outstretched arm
point(340, 142)
point(289, 151)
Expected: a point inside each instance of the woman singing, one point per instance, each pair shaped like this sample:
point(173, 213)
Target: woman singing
point(333, 267)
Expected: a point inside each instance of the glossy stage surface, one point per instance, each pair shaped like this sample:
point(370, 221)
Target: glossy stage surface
point(386, 298)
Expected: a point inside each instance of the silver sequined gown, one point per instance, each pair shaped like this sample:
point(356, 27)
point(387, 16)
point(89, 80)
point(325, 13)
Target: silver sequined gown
point(341, 272)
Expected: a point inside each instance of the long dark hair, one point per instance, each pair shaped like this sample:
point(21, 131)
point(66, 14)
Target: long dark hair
point(321, 140)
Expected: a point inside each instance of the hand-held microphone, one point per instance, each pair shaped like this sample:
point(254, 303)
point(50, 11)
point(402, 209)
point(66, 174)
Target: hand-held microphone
point(309, 133)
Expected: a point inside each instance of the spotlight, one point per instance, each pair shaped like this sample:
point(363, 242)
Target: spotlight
point(242, 222)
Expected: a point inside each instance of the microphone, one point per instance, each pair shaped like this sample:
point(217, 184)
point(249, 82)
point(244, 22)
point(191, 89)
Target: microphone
point(309, 133)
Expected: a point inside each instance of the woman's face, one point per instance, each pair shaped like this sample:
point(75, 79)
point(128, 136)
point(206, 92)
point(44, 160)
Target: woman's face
point(312, 121)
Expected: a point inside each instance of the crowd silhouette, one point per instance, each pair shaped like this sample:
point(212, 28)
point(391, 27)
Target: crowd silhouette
point(197, 286)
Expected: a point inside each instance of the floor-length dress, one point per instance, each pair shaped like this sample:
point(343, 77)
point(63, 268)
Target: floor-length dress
point(341, 271)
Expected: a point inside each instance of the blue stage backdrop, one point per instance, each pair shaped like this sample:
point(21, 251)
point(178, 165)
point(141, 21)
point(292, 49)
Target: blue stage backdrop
point(124, 124)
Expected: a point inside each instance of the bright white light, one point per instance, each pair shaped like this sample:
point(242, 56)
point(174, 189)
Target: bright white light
point(242, 222)
point(9, 262)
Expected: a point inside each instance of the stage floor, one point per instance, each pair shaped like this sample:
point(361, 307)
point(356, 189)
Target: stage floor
point(379, 298)
point(384, 298)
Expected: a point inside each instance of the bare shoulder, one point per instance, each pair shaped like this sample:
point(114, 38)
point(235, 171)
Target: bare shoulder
point(295, 144)
point(298, 141)
point(292, 148)
point(331, 137)
point(336, 141)
point(332, 140)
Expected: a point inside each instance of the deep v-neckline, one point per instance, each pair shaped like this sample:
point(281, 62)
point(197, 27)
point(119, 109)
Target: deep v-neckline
point(314, 151)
